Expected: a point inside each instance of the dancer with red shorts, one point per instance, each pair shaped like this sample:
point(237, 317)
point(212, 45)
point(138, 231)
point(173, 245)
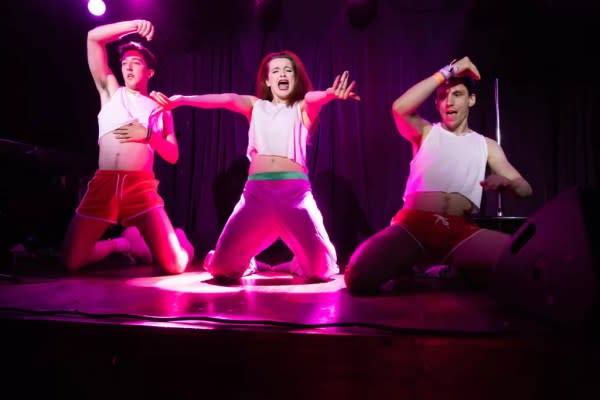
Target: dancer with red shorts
point(124, 189)
point(444, 187)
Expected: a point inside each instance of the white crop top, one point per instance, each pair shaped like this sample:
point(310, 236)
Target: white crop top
point(449, 163)
point(276, 129)
point(125, 107)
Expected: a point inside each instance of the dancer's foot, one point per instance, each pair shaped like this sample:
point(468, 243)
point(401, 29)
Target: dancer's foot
point(138, 248)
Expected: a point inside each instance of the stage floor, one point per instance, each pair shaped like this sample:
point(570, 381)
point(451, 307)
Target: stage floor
point(137, 294)
point(421, 338)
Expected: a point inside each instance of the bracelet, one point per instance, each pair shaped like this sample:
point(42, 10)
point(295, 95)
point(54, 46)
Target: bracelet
point(439, 78)
point(447, 72)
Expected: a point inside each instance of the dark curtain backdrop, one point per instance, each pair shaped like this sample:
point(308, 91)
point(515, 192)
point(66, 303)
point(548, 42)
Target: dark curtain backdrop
point(536, 50)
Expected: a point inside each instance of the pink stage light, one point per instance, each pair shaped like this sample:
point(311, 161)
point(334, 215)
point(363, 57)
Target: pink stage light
point(96, 7)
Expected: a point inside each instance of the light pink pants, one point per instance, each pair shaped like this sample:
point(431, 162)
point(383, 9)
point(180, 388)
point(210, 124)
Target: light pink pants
point(266, 211)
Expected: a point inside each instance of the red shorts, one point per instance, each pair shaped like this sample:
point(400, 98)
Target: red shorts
point(118, 196)
point(438, 234)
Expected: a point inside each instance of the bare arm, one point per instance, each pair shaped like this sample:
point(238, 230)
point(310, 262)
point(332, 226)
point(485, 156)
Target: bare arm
point(230, 101)
point(164, 141)
point(404, 109)
point(97, 38)
point(315, 100)
point(504, 175)
point(160, 134)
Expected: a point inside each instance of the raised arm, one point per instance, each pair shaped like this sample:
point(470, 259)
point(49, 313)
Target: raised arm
point(315, 100)
point(404, 109)
point(97, 38)
point(230, 101)
point(504, 175)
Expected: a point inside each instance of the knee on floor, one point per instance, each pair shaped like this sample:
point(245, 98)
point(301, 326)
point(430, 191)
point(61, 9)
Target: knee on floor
point(358, 281)
point(71, 263)
point(175, 263)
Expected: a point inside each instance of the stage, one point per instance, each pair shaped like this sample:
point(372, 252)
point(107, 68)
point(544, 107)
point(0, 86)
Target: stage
point(121, 330)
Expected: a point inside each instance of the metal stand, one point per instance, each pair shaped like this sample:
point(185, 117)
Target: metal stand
point(499, 211)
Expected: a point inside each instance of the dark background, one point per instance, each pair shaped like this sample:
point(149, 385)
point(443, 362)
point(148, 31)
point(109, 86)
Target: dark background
point(541, 52)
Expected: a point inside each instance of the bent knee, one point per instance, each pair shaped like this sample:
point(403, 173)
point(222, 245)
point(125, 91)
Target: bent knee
point(323, 270)
point(227, 266)
point(174, 268)
point(351, 277)
point(71, 263)
point(358, 280)
point(174, 263)
point(221, 272)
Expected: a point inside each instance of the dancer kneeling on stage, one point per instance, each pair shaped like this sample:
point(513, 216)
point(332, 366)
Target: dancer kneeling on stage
point(124, 189)
point(444, 187)
point(277, 200)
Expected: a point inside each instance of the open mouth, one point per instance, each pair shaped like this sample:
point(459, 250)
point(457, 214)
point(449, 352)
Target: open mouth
point(283, 84)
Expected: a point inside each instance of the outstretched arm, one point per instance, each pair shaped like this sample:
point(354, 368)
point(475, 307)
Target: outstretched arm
point(315, 100)
point(230, 101)
point(404, 109)
point(504, 175)
point(97, 38)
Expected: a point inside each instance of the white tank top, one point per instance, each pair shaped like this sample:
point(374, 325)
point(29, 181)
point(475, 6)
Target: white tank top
point(125, 107)
point(276, 129)
point(449, 163)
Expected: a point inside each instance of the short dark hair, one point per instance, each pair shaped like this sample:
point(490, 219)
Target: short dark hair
point(149, 57)
point(465, 80)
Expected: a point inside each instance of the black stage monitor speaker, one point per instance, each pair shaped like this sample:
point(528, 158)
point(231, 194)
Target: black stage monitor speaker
point(550, 269)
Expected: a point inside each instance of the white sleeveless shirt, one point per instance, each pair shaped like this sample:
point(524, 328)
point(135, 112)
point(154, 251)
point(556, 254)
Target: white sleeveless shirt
point(277, 129)
point(449, 163)
point(125, 107)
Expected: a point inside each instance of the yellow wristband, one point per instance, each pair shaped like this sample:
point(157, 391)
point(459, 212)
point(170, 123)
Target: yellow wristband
point(439, 77)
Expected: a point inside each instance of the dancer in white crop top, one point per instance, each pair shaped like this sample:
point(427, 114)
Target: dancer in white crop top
point(445, 184)
point(124, 189)
point(277, 201)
